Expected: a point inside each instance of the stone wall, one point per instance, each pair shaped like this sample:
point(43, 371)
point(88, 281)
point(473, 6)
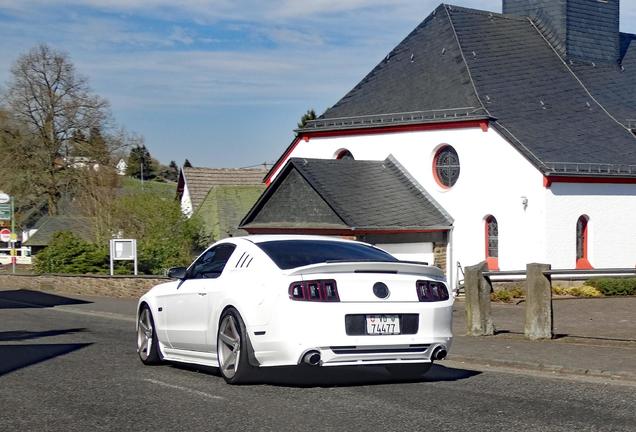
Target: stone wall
point(439, 252)
point(91, 285)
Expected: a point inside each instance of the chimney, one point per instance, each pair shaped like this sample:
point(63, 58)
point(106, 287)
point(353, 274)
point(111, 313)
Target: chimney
point(580, 29)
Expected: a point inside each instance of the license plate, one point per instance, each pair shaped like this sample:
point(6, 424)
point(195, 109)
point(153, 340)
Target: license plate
point(383, 324)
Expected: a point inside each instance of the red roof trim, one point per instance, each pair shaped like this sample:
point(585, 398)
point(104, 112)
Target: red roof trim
point(327, 231)
point(306, 136)
point(548, 180)
point(483, 124)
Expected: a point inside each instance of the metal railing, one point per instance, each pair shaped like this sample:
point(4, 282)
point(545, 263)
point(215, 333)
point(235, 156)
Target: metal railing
point(561, 274)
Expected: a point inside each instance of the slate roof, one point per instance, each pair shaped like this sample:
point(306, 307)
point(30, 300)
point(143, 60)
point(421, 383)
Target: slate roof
point(201, 180)
point(224, 206)
point(351, 194)
point(566, 116)
point(47, 226)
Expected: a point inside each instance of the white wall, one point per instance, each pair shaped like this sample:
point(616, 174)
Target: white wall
point(493, 179)
point(611, 227)
point(186, 201)
point(422, 252)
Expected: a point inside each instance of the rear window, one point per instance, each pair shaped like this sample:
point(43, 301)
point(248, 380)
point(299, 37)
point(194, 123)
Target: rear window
point(288, 254)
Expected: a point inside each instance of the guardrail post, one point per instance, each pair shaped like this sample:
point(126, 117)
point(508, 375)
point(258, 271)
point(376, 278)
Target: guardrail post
point(478, 288)
point(539, 323)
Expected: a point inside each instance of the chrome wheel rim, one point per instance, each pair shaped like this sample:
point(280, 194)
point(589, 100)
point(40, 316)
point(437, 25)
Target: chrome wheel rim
point(144, 334)
point(229, 346)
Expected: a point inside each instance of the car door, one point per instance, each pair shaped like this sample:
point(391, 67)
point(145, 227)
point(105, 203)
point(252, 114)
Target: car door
point(188, 311)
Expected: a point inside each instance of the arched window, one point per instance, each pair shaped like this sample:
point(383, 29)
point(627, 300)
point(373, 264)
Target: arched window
point(492, 243)
point(344, 154)
point(582, 261)
point(446, 166)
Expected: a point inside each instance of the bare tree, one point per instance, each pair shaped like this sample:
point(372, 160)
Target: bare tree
point(58, 112)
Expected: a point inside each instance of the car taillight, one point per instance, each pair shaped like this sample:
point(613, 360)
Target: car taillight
point(430, 291)
point(314, 290)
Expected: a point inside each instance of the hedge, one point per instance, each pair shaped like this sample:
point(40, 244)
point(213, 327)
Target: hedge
point(614, 286)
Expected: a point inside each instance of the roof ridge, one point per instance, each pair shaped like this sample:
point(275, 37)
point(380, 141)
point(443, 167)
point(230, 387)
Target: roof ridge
point(461, 52)
point(578, 80)
point(401, 170)
point(342, 215)
point(483, 12)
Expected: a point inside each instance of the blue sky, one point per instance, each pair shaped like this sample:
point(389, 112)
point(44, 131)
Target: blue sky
point(219, 82)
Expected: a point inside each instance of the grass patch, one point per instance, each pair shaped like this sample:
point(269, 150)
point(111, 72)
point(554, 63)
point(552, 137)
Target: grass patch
point(507, 295)
point(614, 286)
point(167, 189)
point(577, 291)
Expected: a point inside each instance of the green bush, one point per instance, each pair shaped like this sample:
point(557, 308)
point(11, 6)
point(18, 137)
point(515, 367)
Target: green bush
point(165, 237)
point(67, 253)
point(614, 286)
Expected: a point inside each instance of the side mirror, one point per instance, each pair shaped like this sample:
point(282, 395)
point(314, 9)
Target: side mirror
point(177, 273)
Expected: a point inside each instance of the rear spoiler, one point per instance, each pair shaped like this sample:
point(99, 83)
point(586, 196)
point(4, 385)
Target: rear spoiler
point(397, 267)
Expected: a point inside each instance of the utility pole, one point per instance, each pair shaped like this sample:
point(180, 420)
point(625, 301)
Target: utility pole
point(13, 233)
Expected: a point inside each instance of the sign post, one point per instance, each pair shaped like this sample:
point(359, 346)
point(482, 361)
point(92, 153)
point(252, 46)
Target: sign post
point(13, 237)
point(7, 212)
point(123, 250)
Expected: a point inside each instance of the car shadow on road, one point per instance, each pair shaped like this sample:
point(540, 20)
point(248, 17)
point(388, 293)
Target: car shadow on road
point(345, 376)
point(20, 299)
point(20, 335)
point(14, 357)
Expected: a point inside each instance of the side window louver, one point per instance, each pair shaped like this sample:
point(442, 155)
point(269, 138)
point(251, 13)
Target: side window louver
point(244, 261)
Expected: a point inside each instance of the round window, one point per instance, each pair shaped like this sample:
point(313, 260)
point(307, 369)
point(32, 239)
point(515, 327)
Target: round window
point(446, 166)
point(344, 154)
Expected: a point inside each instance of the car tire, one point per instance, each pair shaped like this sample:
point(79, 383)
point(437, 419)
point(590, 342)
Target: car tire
point(408, 370)
point(232, 348)
point(147, 341)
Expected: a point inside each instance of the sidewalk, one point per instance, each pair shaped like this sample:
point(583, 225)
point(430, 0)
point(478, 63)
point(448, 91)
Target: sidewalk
point(593, 337)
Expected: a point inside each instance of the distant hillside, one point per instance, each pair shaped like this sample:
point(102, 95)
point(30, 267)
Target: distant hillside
point(169, 189)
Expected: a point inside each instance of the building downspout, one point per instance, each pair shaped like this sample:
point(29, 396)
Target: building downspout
point(450, 266)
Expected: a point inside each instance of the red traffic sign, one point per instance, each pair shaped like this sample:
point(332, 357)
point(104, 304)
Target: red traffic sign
point(5, 235)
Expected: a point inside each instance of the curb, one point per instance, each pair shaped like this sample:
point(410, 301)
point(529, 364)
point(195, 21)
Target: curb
point(543, 367)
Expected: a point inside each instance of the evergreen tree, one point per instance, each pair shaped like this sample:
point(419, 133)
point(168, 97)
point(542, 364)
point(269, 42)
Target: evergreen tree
point(140, 161)
point(173, 171)
point(187, 164)
point(309, 115)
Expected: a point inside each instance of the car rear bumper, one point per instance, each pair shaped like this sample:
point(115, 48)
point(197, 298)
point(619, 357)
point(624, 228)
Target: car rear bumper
point(302, 327)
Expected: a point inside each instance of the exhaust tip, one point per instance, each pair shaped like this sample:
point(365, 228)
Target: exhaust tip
point(439, 353)
point(312, 358)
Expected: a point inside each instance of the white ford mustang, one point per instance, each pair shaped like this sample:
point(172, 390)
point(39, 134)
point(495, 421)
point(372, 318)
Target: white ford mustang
point(260, 301)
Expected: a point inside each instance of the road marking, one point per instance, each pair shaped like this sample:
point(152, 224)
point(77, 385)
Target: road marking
point(109, 315)
point(185, 389)
point(63, 308)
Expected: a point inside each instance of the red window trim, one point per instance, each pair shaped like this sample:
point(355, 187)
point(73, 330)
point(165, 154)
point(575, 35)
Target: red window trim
point(584, 263)
point(342, 153)
point(336, 231)
point(434, 167)
point(491, 262)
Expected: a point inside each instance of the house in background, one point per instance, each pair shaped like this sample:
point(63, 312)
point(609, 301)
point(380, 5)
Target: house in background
point(519, 126)
point(219, 196)
point(42, 232)
point(121, 167)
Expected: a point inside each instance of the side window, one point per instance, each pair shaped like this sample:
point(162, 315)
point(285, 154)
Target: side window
point(210, 265)
point(492, 242)
point(582, 261)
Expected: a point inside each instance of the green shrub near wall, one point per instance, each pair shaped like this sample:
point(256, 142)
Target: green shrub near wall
point(68, 253)
point(614, 286)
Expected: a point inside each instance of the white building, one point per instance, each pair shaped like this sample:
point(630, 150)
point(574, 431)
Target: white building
point(518, 125)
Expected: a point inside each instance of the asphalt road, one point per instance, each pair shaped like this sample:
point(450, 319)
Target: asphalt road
point(70, 371)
